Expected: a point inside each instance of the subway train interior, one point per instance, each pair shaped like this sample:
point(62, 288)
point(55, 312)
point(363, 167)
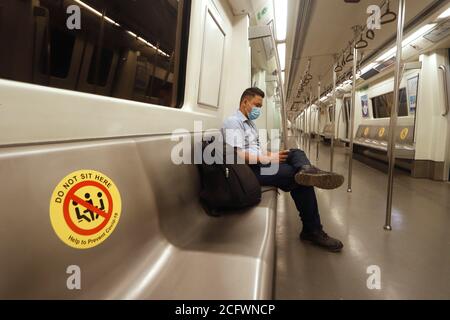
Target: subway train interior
point(99, 98)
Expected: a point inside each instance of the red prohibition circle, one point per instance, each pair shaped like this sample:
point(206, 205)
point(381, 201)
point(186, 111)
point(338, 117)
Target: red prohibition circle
point(69, 198)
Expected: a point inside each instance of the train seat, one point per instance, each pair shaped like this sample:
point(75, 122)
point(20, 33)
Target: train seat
point(327, 131)
point(376, 137)
point(164, 245)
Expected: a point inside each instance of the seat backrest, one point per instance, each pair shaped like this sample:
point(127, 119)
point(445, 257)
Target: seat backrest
point(160, 211)
point(367, 132)
point(404, 135)
point(381, 133)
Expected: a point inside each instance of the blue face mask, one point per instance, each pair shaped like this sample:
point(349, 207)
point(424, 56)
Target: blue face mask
point(254, 114)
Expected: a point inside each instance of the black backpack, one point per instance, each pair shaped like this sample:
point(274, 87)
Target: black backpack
point(228, 187)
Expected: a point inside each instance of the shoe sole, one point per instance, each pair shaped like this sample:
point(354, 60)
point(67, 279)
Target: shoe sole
point(327, 181)
point(333, 250)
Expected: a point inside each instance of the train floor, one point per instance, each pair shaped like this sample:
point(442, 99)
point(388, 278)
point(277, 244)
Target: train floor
point(413, 260)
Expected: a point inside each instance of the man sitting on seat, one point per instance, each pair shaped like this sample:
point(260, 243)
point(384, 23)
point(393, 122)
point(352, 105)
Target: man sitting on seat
point(295, 175)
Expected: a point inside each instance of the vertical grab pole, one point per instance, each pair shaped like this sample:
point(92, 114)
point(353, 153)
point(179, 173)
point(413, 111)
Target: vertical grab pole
point(284, 113)
point(353, 107)
point(306, 124)
point(394, 112)
point(304, 128)
point(301, 128)
point(318, 120)
point(333, 117)
point(310, 121)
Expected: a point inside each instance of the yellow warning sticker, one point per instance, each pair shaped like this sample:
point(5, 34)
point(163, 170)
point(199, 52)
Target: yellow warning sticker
point(85, 208)
point(366, 132)
point(381, 132)
point(404, 134)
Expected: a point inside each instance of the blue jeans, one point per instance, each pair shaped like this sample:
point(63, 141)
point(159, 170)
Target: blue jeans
point(304, 197)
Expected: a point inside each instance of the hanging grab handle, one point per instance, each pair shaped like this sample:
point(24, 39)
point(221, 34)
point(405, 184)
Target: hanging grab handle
point(389, 16)
point(349, 57)
point(343, 63)
point(361, 44)
point(350, 54)
point(445, 78)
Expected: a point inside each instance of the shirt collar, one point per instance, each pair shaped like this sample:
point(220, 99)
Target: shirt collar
point(242, 117)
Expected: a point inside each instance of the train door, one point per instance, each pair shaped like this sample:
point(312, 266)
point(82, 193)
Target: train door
point(448, 147)
point(447, 157)
point(447, 114)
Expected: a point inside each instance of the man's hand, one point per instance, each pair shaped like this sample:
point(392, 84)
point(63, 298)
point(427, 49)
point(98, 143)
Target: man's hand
point(279, 157)
point(274, 158)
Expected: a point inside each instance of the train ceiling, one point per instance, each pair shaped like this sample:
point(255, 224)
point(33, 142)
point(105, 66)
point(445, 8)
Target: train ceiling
point(328, 30)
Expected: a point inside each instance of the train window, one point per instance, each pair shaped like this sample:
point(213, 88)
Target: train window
point(60, 56)
point(129, 49)
point(383, 104)
point(100, 75)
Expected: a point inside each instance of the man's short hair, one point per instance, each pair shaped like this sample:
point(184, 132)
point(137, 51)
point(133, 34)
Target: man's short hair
point(253, 92)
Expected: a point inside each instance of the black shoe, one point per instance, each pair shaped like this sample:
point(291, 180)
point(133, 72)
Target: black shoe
point(321, 239)
point(313, 177)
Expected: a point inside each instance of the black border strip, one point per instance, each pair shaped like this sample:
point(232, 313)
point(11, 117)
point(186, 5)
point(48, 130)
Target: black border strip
point(184, 46)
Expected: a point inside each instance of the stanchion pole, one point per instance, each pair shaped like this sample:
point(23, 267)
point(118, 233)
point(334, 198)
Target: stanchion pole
point(333, 117)
point(304, 129)
point(394, 113)
point(318, 121)
point(352, 118)
point(310, 121)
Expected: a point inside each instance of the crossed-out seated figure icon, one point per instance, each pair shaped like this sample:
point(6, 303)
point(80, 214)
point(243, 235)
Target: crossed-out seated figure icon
point(84, 215)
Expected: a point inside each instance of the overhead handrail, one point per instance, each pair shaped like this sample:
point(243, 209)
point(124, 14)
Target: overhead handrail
point(392, 16)
point(445, 78)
